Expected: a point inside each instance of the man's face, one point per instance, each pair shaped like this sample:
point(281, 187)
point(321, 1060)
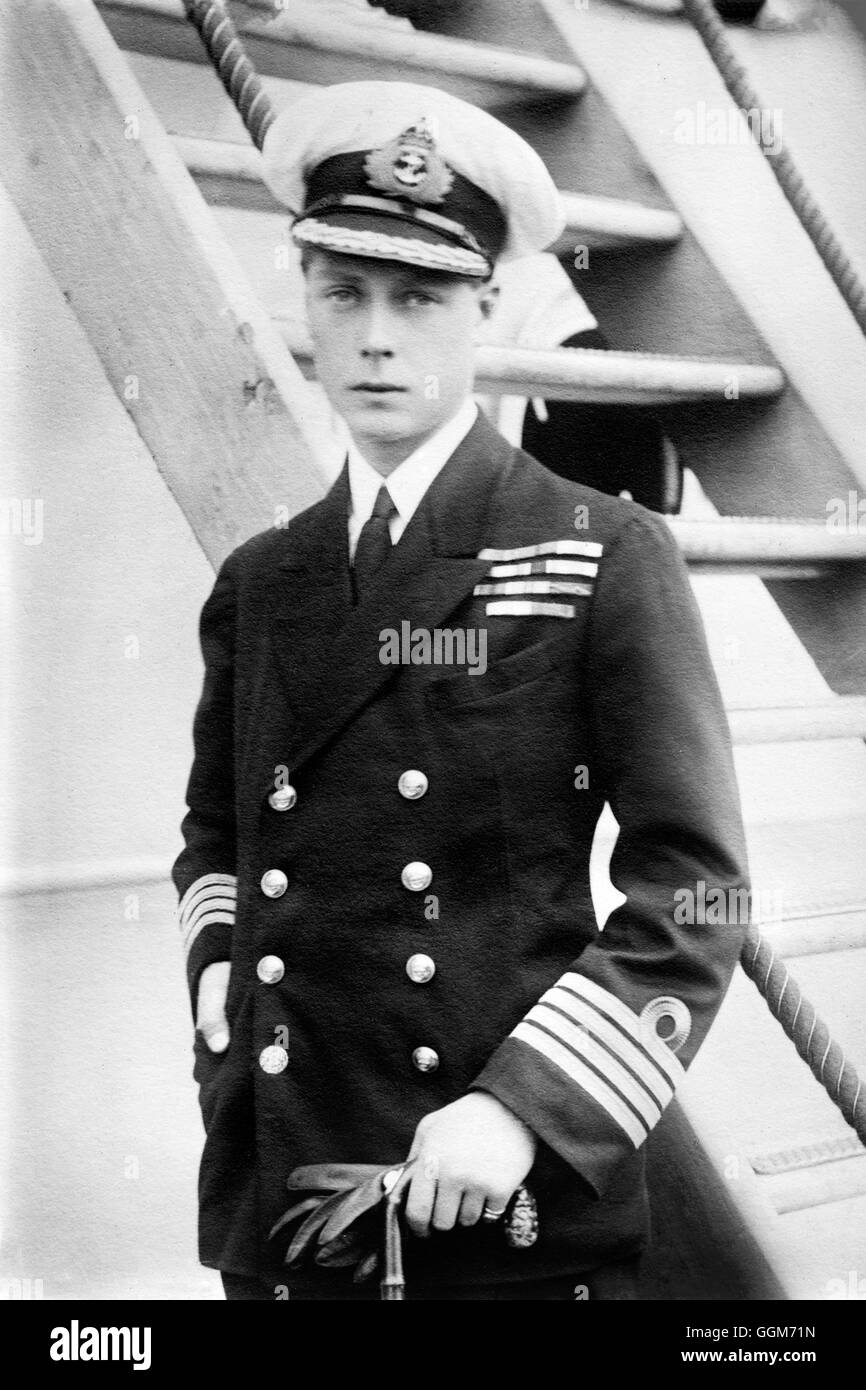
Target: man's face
point(394, 348)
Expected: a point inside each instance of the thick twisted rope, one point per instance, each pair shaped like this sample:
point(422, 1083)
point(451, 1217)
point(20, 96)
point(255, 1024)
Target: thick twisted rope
point(238, 76)
point(809, 1033)
point(837, 261)
point(783, 996)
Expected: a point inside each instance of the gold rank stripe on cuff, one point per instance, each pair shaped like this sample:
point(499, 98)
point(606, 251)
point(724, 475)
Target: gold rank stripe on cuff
point(592, 549)
point(571, 568)
point(529, 608)
point(561, 1056)
point(533, 586)
point(212, 899)
point(630, 1023)
point(599, 1058)
point(602, 1046)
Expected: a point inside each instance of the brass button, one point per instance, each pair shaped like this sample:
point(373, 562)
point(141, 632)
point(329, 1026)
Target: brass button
point(270, 970)
point(425, 1059)
point(274, 883)
point(273, 1059)
point(283, 799)
point(420, 969)
point(412, 784)
point(417, 876)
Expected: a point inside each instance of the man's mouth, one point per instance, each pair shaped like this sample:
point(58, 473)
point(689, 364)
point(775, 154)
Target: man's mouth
point(379, 388)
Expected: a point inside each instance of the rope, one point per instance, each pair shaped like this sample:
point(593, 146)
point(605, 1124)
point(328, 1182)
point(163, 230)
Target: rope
point(784, 998)
point(809, 1033)
point(238, 76)
point(839, 266)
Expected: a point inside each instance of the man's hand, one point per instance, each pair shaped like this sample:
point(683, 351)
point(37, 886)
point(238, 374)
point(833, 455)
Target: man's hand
point(470, 1154)
point(210, 1016)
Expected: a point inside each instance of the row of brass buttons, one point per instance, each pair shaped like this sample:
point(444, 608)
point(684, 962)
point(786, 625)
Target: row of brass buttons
point(419, 968)
point(416, 876)
point(275, 1059)
point(412, 784)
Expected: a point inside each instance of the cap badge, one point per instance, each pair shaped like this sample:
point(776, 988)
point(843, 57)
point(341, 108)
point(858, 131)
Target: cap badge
point(410, 167)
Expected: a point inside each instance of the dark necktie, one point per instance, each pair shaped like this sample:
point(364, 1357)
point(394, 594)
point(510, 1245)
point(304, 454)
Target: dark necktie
point(374, 544)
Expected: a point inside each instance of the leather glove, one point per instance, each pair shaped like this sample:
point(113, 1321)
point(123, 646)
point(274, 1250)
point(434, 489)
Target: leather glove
point(340, 1196)
point(343, 1210)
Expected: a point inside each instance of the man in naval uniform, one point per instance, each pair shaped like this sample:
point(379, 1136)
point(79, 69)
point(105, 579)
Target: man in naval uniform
point(418, 698)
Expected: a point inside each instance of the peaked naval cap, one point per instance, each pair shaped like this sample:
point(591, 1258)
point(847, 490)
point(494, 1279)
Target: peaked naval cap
point(396, 171)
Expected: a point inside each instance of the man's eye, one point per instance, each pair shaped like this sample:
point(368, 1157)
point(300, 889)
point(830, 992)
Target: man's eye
point(341, 294)
point(419, 297)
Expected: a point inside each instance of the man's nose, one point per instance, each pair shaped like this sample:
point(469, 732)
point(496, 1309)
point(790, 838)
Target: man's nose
point(378, 339)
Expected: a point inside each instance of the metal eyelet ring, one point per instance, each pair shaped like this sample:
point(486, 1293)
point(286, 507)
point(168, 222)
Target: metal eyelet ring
point(667, 1007)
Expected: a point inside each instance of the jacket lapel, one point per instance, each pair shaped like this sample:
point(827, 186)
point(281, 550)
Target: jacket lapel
point(328, 651)
point(311, 592)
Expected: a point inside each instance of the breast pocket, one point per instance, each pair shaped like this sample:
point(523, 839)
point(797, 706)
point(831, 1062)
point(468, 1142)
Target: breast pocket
point(509, 677)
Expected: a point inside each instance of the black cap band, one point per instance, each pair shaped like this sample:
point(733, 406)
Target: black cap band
point(466, 216)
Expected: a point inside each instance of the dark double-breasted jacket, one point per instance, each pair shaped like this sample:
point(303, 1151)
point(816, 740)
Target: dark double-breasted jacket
point(393, 851)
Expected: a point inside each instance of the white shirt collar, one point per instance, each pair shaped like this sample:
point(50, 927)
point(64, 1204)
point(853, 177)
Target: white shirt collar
point(409, 480)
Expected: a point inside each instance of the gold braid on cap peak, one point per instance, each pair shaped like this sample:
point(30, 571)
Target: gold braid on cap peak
point(383, 246)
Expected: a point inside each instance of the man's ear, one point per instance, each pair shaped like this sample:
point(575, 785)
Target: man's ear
point(487, 299)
